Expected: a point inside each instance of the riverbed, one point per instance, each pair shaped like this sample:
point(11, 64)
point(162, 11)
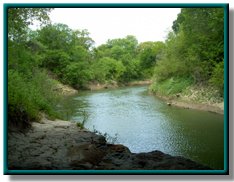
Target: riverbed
point(144, 123)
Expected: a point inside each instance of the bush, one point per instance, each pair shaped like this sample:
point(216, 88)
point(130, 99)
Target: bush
point(27, 97)
point(171, 86)
point(21, 111)
point(77, 74)
point(217, 78)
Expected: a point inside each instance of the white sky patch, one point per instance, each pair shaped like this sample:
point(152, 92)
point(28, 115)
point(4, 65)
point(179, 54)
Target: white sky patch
point(147, 24)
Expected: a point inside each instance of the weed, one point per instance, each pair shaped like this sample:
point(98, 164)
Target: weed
point(110, 139)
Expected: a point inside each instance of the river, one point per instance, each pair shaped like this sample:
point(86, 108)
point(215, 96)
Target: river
point(142, 122)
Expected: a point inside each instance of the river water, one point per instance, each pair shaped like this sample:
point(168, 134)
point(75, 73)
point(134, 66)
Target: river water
point(142, 122)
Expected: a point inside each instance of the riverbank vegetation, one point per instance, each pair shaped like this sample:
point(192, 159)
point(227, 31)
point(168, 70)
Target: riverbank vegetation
point(192, 55)
point(29, 86)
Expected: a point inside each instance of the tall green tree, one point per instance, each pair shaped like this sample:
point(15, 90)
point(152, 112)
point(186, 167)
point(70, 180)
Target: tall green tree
point(108, 69)
point(65, 50)
point(149, 53)
point(119, 49)
point(195, 48)
point(20, 18)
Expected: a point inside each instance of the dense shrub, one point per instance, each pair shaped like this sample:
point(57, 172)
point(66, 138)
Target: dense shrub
point(217, 78)
point(171, 86)
point(28, 97)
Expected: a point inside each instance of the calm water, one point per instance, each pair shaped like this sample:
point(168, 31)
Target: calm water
point(144, 123)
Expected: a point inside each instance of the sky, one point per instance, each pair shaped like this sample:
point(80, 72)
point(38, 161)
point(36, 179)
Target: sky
point(146, 24)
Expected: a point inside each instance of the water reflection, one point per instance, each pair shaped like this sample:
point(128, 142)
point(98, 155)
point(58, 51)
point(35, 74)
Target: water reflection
point(71, 106)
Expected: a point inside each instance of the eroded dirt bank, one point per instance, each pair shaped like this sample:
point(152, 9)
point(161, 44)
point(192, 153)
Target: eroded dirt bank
point(199, 98)
point(62, 145)
point(113, 85)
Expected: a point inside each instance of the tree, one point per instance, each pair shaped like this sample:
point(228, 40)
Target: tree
point(82, 38)
point(29, 87)
point(66, 49)
point(132, 70)
point(195, 48)
point(56, 37)
point(198, 42)
point(118, 48)
point(18, 34)
point(107, 69)
point(77, 74)
point(149, 53)
point(20, 18)
point(55, 61)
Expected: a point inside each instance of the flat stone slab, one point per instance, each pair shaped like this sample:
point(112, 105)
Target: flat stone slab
point(62, 145)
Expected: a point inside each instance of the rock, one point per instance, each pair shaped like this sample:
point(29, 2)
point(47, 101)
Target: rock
point(64, 89)
point(98, 86)
point(61, 145)
point(86, 153)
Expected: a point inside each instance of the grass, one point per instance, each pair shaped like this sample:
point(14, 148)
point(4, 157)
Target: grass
point(171, 86)
point(28, 96)
point(85, 118)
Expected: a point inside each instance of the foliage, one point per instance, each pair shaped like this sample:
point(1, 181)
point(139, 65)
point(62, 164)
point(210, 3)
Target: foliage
point(149, 53)
point(30, 90)
point(217, 78)
point(20, 18)
point(107, 69)
point(55, 61)
point(192, 54)
point(27, 97)
point(70, 55)
point(138, 59)
point(110, 139)
point(194, 50)
point(55, 37)
point(172, 62)
point(118, 49)
point(82, 123)
point(77, 74)
point(67, 53)
point(132, 70)
point(18, 101)
point(171, 86)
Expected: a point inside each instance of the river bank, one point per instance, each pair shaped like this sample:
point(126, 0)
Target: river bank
point(193, 98)
point(62, 145)
point(114, 84)
point(68, 90)
point(64, 89)
point(216, 108)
